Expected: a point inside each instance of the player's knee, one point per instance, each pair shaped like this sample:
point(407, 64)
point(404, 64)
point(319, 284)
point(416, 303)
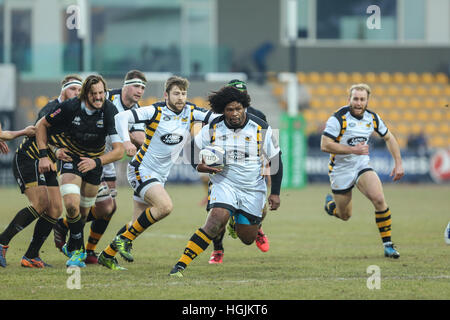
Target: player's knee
point(165, 209)
point(72, 210)
point(41, 205)
point(378, 200)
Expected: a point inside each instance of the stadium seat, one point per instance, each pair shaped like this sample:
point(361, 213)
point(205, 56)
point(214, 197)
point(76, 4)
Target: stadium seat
point(409, 116)
point(393, 91)
point(394, 115)
point(314, 78)
point(338, 91)
point(328, 77)
point(413, 78)
point(330, 103)
point(356, 77)
point(436, 115)
point(301, 77)
point(384, 78)
point(427, 78)
point(446, 91)
point(407, 91)
point(398, 78)
point(378, 90)
point(322, 115)
point(402, 128)
point(435, 90)
point(430, 129)
point(315, 103)
point(342, 78)
point(438, 141)
point(429, 103)
point(387, 103)
point(374, 102)
point(444, 129)
point(370, 78)
point(415, 103)
point(421, 91)
point(423, 116)
point(441, 78)
point(41, 101)
point(322, 90)
point(200, 102)
point(401, 103)
point(150, 100)
point(278, 90)
point(416, 128)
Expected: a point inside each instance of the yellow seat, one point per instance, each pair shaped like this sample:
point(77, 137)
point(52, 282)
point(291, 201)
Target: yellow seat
point(356, 77)
point(423, 116)
point(322, 90)
point(407, 91)
point(342, 77)
point(301, 77)
point(41, 101)
point(329, 77)
point(415, 103)
point(427, 78)
point(394, 115)
point(200, 102)
point(278, 90)
point(402, 128)
point(342, 102)
point(384, 77)
point(444, 129)
point(430, 129)
point(429, 103)
point(370, 78)
point(435, 90)
point(308, 115)
point(337, 91)
point(436, 115)
point(446, 91)
point(393, 91)
point(409, 116)
point(322, 116)
point(374, 102)
point(401, 103)
point(330, 103)
point(378, 90)
point(421, 91)
point(315, 103)
point(444, 103)
point(441, 78)
point(387, 103)
point(438, 141)
point(413, 78)
point(398, 78)
point(314, 77)
point(416, 127)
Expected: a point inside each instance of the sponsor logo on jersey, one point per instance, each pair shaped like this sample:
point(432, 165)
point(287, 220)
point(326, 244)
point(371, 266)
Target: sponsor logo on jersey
point(100, 123)
point(76, 121)
point(171, 138)
point(355, 140)
point(55, 112)
point(68, 166)
point(236, 155)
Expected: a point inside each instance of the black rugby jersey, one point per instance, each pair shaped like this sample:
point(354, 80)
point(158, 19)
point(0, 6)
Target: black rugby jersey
point(28, 147)
point(83, 133)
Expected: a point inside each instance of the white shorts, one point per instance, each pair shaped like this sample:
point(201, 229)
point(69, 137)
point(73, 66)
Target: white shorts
point(141, 179)
point(248, 205)
point(343, 180)
point(109, 172)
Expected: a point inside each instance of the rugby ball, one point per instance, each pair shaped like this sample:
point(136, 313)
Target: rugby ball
point(213, 156)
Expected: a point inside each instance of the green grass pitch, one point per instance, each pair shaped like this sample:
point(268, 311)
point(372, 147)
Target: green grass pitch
point(311, 256)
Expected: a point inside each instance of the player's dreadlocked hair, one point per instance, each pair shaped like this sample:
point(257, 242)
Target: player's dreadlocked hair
point(219, 99)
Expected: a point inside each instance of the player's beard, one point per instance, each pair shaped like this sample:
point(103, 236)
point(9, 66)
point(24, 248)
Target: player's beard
point(177, 106)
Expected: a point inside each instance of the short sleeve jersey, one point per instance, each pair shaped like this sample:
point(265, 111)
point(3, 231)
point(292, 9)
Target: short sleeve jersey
point(346, 129)
point(246, 150)
point(83, 132)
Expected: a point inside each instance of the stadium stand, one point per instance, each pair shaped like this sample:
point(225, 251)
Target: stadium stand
point(408, 102)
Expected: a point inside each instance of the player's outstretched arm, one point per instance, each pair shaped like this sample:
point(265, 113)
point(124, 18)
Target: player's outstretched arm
point(391, 143)
point(11, 135)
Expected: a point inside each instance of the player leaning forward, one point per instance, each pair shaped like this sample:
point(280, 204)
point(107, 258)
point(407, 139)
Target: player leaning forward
point(167, 128)
point(85, 122)
point(239, 189)
point(345, 137)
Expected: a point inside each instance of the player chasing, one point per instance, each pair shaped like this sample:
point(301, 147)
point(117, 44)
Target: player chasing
point(167, 128)
point(83, 125)
point(42, 190)
point(239, 189)
point(125, 98)
point(346, 137)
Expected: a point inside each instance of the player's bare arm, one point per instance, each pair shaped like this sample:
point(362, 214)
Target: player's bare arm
point(330, 146)
point(45, 164)
point(391, 143)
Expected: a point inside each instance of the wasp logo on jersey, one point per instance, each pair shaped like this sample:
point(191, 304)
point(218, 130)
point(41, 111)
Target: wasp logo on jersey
point(171, 138)
point(355, 140)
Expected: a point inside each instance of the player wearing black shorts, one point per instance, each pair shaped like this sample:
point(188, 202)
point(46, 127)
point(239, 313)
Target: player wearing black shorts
point(42, 190)
point(83, 124)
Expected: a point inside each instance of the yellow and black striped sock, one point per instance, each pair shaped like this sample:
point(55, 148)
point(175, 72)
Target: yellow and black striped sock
point(196, 245)
point(331, 208)
point(98, 228)
point(384, 221)
point(144, 221)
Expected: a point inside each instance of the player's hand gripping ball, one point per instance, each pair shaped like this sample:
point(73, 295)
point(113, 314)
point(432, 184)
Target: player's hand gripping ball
point(213, 156)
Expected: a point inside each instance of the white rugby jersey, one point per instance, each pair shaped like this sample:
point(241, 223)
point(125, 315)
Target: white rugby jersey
point(343, 128)
point(246, 150)
point(166, 132)
point(115, 96)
